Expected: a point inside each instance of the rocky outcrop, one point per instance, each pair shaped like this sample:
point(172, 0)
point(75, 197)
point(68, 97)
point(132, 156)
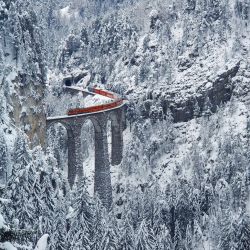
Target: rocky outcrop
point(218, 92)
point(23, 75)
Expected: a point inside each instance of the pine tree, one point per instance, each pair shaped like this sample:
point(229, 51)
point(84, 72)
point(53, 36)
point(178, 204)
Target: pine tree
point(131, 114)
point(136, 208)
point(47, 197)
point(183, 209)
point(228, 231)
point(110, 237)
point(244, 193)
point(59, 228)
point(9, 234)
point(3, 159)
point(21, 157)
point(236, 190)
point(164, 241)
point(34, 187)
point(207, 109)
point(151, 208)
point(99, 225)
point(223, 193)
point(197, 167)
point(17, 35)
point(22, 207)
point(197, 236)
point(243, 233)
point(188, 238)
point(81, 220)
point(207, 197)
point(197, 109)
point(178, 241)
point(20, 185)
point(127, 238)
point(144, 239)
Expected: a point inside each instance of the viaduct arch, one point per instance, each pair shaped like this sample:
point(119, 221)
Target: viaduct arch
point(73, 125)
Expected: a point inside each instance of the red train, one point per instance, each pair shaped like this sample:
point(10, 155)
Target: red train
point(102, 92)
point(117, 102)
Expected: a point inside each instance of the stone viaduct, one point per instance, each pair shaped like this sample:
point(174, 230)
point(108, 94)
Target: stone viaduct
point(73, 125)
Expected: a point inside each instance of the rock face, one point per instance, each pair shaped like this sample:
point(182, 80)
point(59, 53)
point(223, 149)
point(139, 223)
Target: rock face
point(192, 99)
point(218, 92)
point(23, 73)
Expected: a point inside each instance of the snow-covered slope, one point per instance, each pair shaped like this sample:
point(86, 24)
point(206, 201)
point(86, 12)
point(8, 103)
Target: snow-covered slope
point(22, 71)
point(178, 59)
point(184, 66)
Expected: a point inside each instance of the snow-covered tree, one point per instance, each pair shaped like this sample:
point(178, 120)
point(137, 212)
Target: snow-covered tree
point(197, 110)
point(243, 233)
point(21, 156)
point(111, 235)
point(207, 108)
point(164, 241)
point(144, 238)
point(228, 231)
point(99, 225)
point(127, 237)
point(188, 238)
point(178, 240)
point(58, 239)
point(81, 220)
point(48, 199)
point(3, 159)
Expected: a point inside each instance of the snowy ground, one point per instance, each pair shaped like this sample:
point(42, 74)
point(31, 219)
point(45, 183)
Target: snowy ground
point(187, 135)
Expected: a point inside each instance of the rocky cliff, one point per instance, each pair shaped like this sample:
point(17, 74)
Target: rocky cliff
point(23, 70)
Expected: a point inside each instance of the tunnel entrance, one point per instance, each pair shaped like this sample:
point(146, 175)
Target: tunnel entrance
point(68, 82)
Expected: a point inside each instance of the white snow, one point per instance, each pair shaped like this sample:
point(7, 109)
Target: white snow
point(81, 89)
point(7, 246)
point(2, 221)
point(68, 14)
point(65, 12)
point(154, 13)
point(248, 205)
point(96, 100)
point(42, 242)
point(89, 170)
point(84, 81)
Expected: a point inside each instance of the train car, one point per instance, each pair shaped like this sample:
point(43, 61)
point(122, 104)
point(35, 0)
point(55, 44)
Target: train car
point(102, 92)
point(94, 109)
point(117, 101)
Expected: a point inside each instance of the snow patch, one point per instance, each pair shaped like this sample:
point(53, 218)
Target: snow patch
point(7, 246)
point(42, 243)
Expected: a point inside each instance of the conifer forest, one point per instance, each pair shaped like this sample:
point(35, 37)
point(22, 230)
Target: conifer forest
point(125, 124)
